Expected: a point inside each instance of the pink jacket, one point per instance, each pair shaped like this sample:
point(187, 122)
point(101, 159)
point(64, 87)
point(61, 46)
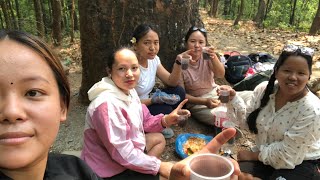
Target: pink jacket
point(114, 136)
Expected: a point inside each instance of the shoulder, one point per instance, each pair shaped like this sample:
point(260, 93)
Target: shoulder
point(156, 60)
point(61, 166)
point(311, 101)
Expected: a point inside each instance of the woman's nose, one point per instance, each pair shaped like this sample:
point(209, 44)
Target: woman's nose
point(292, 76)
point(129, 73)
point(11, 110)
point(151, 47)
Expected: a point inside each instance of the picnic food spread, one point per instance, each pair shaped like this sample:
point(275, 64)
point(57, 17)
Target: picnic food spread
point(193, 144)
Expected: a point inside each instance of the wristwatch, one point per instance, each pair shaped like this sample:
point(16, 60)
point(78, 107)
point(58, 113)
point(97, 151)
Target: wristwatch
point(178, 62)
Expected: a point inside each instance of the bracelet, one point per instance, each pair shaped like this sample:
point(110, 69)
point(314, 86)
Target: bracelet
point(164, 120)
point(178, 62)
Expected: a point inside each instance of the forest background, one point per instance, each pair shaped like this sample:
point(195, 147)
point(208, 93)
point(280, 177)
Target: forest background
point(85, 32)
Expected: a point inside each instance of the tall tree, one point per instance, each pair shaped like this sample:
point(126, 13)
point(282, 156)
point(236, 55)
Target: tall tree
point(214, 8)
point(13, 17)
point(236, 22)
point(18, 14)
point(39, 17)
point(316, 22)
point(269, 6)
point(293, 10)
point(106, 25)
point(44, 15)
point(6, 14)
point(260, 12)
point(72, 21)
point(226, 7)
point(56, 22)
point(1, 20)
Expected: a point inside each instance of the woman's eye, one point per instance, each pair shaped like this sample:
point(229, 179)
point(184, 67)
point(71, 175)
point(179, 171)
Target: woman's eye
point(121, 69)
point(33, 93)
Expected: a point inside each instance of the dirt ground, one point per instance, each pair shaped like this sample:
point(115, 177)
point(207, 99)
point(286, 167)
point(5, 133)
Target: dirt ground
point(223, 37)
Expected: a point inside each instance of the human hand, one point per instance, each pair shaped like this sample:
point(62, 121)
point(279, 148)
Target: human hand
point(186, 53)
point(173, 117)
point(212, 103)
point(165, 168)
point(232, 92)
point(246, 155)
point(160, 97)
point(180, 170)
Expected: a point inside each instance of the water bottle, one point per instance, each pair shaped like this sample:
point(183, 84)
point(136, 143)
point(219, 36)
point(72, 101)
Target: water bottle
point(222, 121)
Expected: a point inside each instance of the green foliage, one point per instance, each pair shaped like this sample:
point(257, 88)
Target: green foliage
point(279, 15)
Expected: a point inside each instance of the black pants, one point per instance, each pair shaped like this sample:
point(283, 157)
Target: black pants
point(133, 175)
point(307, 170)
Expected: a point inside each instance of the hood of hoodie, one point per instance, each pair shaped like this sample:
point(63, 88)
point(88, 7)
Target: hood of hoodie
point(106, 85)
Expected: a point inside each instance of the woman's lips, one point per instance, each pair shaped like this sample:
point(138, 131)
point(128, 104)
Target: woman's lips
point(130, 81)
point(14, 138)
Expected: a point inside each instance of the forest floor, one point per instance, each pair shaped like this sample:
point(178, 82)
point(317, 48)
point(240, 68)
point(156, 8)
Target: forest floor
point(245, 38)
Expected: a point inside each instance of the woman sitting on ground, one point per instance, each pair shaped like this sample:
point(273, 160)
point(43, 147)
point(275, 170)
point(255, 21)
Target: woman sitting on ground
point(145, 42)
point(285, 116)
point(121, 137)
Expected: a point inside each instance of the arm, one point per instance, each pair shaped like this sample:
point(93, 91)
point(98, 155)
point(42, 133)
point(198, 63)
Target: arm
point(111, 127)
point(152, 123)
point(167, 78)
point(302, 136)
point(209, 102)
point(173, 78)
point(215, 65)
point(146, 102)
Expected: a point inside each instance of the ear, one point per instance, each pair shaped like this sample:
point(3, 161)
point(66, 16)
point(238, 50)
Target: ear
point(63, 113)
point(134, 47)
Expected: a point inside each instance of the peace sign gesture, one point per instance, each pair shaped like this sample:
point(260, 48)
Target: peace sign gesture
point(176, 114)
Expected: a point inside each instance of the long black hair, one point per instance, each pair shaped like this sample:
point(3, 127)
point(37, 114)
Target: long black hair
point(252, 118)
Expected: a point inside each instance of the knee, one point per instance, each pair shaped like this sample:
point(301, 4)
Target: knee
point(160, 139)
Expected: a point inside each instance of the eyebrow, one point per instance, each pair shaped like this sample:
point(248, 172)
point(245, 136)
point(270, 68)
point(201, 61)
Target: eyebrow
point(35, 78)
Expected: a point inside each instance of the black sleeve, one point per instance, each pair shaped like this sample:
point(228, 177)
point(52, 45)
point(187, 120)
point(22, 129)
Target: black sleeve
point(65, 167)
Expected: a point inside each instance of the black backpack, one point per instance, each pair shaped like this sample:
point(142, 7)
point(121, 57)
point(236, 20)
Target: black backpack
point(249, 83)
point(236, 68)
point(261, 57)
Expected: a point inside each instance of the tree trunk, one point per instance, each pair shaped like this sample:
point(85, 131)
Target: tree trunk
point(260, 13)
point(236, 22)
point(64, 15)
point(269, 6)
point(39, 17)
point(45, 18)
point(76, 21)
point(72, 21)
point(18, 14)
point(13, 17)
point(56, 22)
point(107, 25)
point(316, 22)
point(50, 13)
point(6, 14)
point(1, 20)
point(291, 22)
point(226, 8)
point(214, 8)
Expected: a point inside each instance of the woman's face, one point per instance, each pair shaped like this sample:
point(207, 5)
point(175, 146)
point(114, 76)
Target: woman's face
point(293, 75)
point(148, 46)
point(196, 42)
point(30, 107)
point(125, 70)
